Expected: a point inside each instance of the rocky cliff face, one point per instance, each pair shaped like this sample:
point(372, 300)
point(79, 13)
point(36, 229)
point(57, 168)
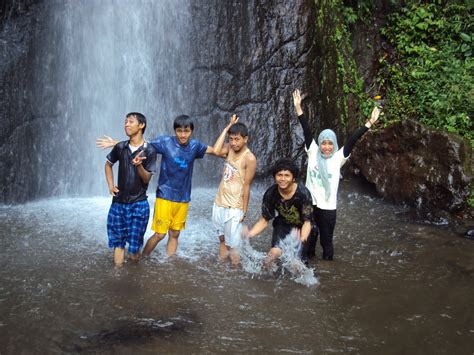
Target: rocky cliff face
point(251, 55)
point(247, 58)
point(19, 23)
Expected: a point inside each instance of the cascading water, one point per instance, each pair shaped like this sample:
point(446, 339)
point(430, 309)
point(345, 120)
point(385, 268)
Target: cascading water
point(115, 57)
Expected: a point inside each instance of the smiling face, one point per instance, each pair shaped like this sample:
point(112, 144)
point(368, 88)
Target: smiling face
point(237, 142)
point(183, 134)
point(132, 126)
point(284, 179)
point(327, 147)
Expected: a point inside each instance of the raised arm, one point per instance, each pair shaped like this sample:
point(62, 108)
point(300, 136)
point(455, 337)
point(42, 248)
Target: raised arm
point(360, 132)
point(105, 142)
point(251, 163)
point(308, 137)
point(220, 148)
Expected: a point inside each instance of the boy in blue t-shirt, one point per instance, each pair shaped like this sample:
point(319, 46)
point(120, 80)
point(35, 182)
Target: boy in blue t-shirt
point(128, 215)
point(174, 186)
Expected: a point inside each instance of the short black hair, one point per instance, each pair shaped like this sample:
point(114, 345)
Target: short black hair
point(140, 118)
point(285, 164)
point(183, 121)
point(238, 128)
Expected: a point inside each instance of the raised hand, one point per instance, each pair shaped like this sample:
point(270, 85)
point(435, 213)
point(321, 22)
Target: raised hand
point(233, 120)
point(105, 142)
point(373, 117)
point(297, 102)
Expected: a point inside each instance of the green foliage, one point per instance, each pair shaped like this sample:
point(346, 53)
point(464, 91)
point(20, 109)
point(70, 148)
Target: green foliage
point(357, 10)
point(348, 77)
point(430, 78)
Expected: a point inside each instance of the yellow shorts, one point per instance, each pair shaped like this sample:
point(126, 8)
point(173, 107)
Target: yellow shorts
point(169, 215)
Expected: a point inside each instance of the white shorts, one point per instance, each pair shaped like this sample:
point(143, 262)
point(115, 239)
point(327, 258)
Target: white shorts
point(227, 223)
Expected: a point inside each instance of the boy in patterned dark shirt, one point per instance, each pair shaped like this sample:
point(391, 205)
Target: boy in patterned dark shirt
point(289, 204)
point(129, 212)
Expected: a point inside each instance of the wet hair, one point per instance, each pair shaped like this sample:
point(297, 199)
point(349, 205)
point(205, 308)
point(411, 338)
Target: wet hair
point(140, 118)
point(183, 121)
point(238, 128)
point(285, 164)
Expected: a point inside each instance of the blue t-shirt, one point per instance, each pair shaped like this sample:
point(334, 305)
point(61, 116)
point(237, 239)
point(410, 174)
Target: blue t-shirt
point(176, 170)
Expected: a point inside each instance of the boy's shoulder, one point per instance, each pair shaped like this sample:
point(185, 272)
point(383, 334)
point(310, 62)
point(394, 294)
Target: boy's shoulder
point(196, 142)
point(304, 191)
point(148, 148)
point(161, 139)
point(270, 191)
point(121, 145)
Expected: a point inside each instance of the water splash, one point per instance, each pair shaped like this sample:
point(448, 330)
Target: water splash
point(255, 262)
point(291, 262)
point(252, 260)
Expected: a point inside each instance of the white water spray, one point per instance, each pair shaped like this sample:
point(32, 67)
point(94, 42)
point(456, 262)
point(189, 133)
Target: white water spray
point(254, 262)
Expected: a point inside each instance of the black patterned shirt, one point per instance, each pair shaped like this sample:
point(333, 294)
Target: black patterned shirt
point(295, 211)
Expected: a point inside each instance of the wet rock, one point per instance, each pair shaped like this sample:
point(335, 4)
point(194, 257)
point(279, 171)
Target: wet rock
point(252, 54)
point(417, 165)
point(126, 333)
point(469, 234)
point(19, 125)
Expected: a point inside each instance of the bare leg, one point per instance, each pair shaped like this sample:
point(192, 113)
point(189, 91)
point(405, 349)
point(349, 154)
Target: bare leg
point(119, 256)
point(223, 250)
point(234, 257)
point(172, 242)
point(151, 243)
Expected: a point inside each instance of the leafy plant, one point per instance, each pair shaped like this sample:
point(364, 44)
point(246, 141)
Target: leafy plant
point(430, 76)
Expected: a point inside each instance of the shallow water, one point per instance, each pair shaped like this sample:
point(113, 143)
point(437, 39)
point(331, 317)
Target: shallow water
point(395, 287)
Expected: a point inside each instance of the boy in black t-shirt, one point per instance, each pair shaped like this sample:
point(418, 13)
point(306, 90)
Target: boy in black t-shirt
point(129, 212)
point(293, 203)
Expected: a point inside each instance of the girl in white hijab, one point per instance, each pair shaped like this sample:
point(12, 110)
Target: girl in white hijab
point(325, 160)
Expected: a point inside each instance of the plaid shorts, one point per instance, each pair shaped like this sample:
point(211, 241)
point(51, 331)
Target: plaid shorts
point(126, 223)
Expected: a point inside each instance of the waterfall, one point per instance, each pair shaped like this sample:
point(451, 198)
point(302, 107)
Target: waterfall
point(106, 58)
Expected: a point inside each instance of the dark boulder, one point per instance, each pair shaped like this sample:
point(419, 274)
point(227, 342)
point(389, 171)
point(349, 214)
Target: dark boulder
point(417, 165)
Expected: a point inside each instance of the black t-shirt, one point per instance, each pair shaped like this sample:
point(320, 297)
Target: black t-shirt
point(131, 186)
point(294, 212)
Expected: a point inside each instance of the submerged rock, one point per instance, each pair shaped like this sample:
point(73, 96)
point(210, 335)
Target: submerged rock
point(417, 165)
point(469, 234)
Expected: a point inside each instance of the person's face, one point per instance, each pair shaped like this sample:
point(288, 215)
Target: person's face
point(132, 126)
point(284, 179)
point(183, 134)
point(327, 147)
point(237, 142)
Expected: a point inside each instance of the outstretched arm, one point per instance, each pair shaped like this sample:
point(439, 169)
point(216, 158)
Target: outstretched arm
point(258, 227)
point(105, 142)
point(220, 148)
point(360, 132)
point(308, 138)
point(251, 163)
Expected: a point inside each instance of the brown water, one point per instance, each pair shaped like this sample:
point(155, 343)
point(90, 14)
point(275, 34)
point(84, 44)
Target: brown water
point(395, 287)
